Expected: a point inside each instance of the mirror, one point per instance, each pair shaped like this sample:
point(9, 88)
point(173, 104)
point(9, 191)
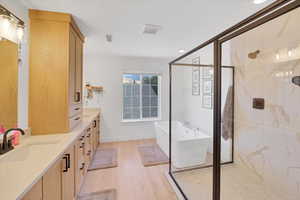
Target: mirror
point(8, 84)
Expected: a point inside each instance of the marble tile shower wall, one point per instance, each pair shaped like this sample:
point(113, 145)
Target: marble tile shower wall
point(268, 141)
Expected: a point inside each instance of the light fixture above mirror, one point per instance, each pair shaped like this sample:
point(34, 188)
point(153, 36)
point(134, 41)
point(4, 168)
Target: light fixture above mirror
point(11, 27)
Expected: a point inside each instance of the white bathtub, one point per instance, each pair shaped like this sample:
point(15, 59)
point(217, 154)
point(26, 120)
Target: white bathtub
point(189, 147)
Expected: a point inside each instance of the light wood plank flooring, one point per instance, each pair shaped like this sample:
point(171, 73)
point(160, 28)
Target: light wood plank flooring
point(132, 180)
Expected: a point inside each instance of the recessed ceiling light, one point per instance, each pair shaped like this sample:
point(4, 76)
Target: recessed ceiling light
point(258, 1)
point(181, 51)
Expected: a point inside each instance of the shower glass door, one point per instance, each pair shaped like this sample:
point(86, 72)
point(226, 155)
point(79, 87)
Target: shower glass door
point(192, 94)
point(266, 121)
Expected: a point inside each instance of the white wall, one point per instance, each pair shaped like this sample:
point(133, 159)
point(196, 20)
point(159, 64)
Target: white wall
point(22, 12)
point(189, 107)
point(107, 71)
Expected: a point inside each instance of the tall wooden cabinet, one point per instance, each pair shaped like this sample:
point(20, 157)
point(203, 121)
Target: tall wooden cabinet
point(56, 59)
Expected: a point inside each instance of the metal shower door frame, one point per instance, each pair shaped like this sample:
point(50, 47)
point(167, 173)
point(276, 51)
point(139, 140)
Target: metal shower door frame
point(269, 13)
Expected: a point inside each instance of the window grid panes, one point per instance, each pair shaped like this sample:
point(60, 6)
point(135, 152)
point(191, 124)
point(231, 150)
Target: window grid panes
point(141, 96)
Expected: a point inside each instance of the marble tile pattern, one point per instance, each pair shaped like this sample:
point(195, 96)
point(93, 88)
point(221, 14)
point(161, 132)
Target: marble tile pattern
point(238, 183)
point(267, 142)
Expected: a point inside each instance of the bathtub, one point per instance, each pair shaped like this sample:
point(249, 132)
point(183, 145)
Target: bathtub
point(189, 147)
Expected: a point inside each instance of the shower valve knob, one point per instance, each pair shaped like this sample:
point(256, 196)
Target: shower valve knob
point(296, 80)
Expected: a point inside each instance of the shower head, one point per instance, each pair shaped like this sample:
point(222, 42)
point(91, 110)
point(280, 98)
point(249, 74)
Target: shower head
point(253, 55)
point(296, 80)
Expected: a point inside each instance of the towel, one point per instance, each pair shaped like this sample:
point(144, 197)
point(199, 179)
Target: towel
point(227, 118)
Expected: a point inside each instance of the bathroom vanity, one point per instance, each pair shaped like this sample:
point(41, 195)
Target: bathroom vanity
point(50, 167)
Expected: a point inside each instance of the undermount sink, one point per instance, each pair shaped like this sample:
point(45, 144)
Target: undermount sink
point(23, 152)
point(42, 143)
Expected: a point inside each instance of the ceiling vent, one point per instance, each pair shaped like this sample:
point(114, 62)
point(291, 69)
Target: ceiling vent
point(151, 29)
point(108, 38)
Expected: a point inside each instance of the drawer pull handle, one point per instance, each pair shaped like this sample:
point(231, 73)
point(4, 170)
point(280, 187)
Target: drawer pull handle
point(82, 166)
point(82, 145)
point(69, 160)
point(78, 97)
point(89, 153)
point(78, 118)
point(77, 108)
point(67, 163)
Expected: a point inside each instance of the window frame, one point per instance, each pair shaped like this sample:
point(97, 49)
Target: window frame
point(159, 86)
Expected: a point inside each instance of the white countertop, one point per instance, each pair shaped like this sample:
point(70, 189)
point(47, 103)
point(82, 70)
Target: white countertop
point(22, 167)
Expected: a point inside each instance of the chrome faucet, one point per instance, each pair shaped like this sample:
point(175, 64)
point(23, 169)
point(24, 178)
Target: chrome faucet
point(6, 144)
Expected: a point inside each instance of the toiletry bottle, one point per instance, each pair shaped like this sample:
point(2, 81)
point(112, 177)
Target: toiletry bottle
point(16, 138)
point(2, 129)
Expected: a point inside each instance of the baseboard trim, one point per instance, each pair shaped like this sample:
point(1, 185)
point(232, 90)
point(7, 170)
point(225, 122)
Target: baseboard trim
point(123, 139)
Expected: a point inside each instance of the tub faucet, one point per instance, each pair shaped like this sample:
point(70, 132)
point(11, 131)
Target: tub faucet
point(186, 123)
point(6, 144)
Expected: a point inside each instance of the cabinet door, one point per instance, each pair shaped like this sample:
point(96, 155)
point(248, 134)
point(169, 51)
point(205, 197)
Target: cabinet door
point(79, 163)
point(79, 64)
point(68, 174)
point(94, 139)
point(98, 131)
point(89, 144)
point(72, 68)
point(95, 135)
point(52, 182)
point(36, 192)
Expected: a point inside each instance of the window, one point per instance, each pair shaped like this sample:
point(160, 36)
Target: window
point(141, 97)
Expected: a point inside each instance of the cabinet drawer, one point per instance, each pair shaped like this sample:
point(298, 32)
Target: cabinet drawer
point(74, 121)
point(75, 109)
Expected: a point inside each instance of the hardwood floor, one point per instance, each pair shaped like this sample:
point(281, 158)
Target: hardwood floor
point(132, 180)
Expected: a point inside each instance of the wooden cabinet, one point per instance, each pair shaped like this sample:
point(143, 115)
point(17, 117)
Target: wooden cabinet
point(68, 174)
point(79, 64)
point(36, 192)
point(88, 146)
point(72, 69)
point(55, 85)
point(79, 162)
point(84, 150)
point(64, 178)
point(52, 185)
point(95, 133)
point(59, 181)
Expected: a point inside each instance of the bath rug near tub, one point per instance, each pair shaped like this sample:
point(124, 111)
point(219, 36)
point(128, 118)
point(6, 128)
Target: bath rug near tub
point(101, 195)
point(152, 155)
point(104, 158)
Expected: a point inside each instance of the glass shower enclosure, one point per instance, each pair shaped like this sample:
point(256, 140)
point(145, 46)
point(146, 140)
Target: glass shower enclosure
point(221, 111)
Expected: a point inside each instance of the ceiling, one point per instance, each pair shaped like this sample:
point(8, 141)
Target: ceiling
point(186, 23)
